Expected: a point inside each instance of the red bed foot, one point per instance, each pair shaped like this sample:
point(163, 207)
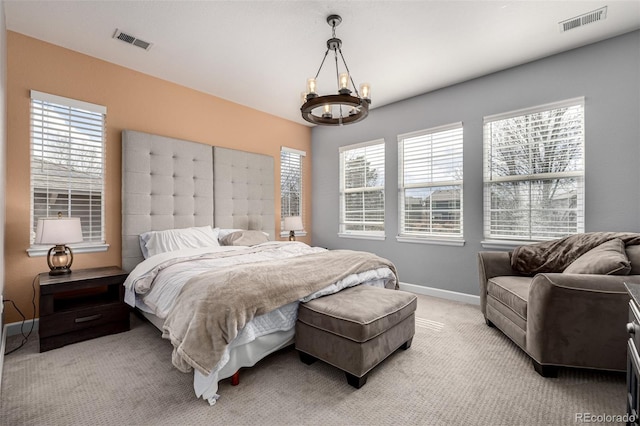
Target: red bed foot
point(235, 379)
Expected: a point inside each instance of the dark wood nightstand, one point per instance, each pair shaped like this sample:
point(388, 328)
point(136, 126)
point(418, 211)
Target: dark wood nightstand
point(84, 304)
point(633, 359)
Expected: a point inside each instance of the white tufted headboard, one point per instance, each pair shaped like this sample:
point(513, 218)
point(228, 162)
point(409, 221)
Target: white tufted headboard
point(244, 190)
point(169, 183)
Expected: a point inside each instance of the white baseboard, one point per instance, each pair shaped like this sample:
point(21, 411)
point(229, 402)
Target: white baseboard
point(14, 328)
point(443, 294)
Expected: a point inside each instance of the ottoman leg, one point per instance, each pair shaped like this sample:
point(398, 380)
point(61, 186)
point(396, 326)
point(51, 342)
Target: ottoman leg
point(406, 345)
point(306, 358)
point(355, 381)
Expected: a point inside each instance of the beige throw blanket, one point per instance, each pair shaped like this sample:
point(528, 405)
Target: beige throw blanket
point(556, 255)
point(213, 307)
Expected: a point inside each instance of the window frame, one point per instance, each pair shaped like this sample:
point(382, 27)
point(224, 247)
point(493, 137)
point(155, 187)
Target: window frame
point(302, 154)
point(343, 191)
point(456, 144)
point(39, 102)
point(495, 240)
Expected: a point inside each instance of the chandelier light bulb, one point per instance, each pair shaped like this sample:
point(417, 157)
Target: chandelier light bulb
point(344, 83)
point(365, 91)
point(326, 111)
point(311, 86)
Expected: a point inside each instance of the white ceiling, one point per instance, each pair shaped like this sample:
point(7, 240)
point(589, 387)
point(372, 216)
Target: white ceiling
point(260, 53)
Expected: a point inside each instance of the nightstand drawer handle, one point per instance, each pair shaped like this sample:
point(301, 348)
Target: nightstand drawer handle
point(89, 318)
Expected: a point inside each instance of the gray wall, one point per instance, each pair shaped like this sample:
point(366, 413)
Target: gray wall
point(607, 74)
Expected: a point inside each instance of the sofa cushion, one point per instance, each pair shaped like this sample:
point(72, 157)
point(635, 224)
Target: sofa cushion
point(505, 312)
point(511, 291)
point(609, 258)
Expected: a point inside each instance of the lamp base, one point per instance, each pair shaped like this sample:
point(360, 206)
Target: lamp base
point(59, 259)
point(59, 271)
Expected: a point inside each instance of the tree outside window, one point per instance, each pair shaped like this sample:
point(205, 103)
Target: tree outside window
point(534, 173)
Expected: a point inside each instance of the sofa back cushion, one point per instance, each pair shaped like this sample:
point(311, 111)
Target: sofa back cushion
point(609, 258)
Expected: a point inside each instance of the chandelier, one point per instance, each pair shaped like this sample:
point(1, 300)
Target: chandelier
point(343, 107)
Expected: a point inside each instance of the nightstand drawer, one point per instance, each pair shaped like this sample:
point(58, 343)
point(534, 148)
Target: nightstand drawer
point(633, 327)
point(79, 319)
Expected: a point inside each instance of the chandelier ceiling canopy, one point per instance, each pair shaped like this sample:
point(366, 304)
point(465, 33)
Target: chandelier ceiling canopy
point(345, 106)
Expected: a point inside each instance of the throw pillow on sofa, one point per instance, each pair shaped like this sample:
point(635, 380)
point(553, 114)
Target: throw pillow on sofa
point(609, 258)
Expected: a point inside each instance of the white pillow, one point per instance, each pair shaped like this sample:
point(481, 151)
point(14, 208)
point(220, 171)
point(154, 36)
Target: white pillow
point(223, 232)
point(244, 238)
point(155, 242)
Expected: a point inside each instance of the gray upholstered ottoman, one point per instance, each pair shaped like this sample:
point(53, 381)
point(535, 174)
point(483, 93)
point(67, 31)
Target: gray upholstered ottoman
point(355, 329)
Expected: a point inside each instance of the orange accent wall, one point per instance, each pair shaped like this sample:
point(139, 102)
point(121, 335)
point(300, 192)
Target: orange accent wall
point(134, 101)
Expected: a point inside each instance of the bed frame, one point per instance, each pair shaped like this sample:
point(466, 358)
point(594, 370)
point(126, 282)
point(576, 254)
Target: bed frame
point(171, 183)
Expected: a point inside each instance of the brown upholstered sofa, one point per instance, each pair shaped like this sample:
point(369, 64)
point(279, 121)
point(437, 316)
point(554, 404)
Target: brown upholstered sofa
point(559, 319)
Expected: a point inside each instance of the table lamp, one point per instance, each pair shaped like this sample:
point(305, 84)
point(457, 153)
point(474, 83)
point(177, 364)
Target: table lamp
point(292, 224)
point(59, 231)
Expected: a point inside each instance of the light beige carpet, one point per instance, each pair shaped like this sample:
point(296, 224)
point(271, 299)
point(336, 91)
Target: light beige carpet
point(458, 371)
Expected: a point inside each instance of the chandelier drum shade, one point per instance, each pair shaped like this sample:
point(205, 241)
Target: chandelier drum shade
point(344, 107)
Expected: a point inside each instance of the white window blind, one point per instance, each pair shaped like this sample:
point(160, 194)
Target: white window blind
point(534, 172)
point(290, 182)
point(362, 189)
point(67, 162)
point(430, 182)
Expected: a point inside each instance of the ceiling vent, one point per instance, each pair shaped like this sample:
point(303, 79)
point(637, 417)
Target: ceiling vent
point(127, 38)
point(587, 18)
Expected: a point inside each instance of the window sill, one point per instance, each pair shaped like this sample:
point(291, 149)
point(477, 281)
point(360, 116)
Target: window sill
point(504, 244)
point(435, 241)
point(363, 236)
point(40, 250)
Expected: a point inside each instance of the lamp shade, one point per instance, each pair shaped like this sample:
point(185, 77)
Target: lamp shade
point(293, 223)
point(54, 230)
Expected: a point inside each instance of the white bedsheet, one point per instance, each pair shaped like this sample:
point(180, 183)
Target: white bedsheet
point(168, 282)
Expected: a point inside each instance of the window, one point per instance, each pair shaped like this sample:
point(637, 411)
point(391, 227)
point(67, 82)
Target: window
point(534, 172)
point(67, 162)
point(430, 183)
point(290, 184)
point(362, 190)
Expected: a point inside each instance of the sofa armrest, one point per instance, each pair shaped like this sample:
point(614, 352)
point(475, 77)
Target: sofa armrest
point(492, 264)
point(578, 320)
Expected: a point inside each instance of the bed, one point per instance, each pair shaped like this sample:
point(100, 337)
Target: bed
point(203, 215)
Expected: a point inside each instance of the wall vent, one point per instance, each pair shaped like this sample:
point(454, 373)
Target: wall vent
point(127, 38)
point(587, 18)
